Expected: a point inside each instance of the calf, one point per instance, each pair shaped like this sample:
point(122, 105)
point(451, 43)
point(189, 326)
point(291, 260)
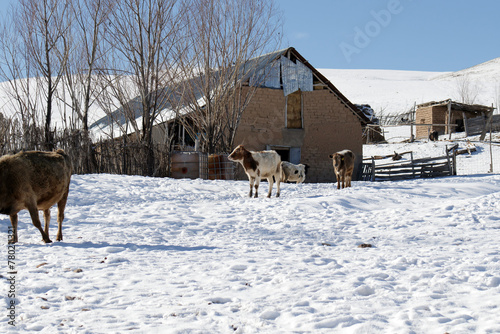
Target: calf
point(258, 165)
point(343, 163)
point(34, 181)
point(291, 172)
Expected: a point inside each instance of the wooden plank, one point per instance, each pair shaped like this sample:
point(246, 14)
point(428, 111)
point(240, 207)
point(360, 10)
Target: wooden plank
point(486, 126)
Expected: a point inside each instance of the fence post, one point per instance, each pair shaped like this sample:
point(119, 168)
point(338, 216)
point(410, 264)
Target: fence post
point(454, 162)
point(412, 165)
point(491, 151)
point(373, 169)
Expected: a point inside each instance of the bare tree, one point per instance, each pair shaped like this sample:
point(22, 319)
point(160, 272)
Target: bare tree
point(44, 27)
point(467, 89)
point(142, 37)
point(19, 86)
point(89, 26)
point(223, 36)
point(497, 97)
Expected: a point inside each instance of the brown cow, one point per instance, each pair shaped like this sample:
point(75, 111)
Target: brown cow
point(257, 165)
point(34, 181)
point(343, 163)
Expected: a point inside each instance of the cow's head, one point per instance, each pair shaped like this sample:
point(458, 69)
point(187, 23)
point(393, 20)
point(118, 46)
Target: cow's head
point(238, 153)
point(338, 160)
point(300, 172)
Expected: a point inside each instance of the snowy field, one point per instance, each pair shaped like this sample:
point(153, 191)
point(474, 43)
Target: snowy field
point(158, 255)
point(151, 255)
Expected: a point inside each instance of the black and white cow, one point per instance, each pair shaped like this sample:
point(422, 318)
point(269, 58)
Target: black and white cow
point(293, 173)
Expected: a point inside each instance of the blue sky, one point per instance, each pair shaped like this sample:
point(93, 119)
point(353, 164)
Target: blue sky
point(421, 35)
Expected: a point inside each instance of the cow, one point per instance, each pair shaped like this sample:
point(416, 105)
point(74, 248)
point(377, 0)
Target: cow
point(35, 180)
point(291, 172)
point(434, 135)
point(259, 165)
point(343, 163)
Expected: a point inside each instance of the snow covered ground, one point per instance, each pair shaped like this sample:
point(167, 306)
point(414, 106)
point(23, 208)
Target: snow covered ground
point(158, 255)
point(483, 160)
point(150, 255)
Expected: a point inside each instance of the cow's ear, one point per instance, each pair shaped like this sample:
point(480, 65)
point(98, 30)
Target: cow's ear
point(342, 159)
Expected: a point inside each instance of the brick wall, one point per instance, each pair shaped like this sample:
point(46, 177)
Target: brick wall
point(423, 115)
point(433, 115)
point(329, 126)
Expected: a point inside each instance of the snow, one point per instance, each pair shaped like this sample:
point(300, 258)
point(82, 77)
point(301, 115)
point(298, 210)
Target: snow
point(392, 92)
point(159, 255)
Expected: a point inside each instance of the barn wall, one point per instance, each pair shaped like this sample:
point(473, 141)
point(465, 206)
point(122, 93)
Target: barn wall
point(329, 126)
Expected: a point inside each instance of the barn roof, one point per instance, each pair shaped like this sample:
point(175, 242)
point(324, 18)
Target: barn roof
point(474, 108)
point(263, 71)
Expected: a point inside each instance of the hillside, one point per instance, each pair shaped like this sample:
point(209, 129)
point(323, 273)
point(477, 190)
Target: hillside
point(392, 92)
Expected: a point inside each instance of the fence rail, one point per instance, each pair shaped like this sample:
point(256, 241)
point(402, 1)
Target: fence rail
point(409, 169)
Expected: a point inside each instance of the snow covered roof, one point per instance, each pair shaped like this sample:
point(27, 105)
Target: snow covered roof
point(283, 69)
point(475, 108)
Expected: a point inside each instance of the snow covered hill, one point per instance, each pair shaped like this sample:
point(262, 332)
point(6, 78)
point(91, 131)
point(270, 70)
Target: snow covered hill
point(392, 92)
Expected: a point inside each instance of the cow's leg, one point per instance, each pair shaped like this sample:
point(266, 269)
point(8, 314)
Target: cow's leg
point(338, 180)
point(61, 205)
point(36, 221)
point(349, 178)
point(271, 182)
point(13, 221)
point(46, 218)
point(252, 180)
point(257, 182)
point(278, 181)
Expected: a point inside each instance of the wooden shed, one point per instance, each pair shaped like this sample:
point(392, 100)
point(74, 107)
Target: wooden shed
point(447, 117)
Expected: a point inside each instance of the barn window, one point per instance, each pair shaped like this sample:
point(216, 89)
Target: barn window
point(294, 110)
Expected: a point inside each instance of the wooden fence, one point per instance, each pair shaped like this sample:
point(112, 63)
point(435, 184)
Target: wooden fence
point(476, 125)
point(409, 169)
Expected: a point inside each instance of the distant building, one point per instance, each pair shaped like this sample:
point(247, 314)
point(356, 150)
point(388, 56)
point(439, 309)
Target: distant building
point(447, 117)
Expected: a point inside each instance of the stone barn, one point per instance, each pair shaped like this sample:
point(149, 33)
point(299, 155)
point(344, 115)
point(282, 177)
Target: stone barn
point(292, 109)
point(304, 117)
point(446, 117)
